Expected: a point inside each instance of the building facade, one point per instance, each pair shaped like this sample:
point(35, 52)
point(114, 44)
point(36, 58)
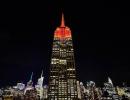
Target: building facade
point(62, 80)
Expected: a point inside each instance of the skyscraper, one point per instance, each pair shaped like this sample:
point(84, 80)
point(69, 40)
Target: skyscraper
point(62, 80)
point(39, 86)
point(29, 84)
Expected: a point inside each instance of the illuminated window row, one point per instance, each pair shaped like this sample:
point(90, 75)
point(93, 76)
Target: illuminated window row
point(55, 61)
point(71, 69)
point(54, 71)
point(53, 76)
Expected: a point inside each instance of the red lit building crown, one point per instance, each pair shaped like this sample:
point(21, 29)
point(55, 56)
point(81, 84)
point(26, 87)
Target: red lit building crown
point(62, 31)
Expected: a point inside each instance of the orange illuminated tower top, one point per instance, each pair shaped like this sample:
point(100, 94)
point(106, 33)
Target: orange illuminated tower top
point(63, 31)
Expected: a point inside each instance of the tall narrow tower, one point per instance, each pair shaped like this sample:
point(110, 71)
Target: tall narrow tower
point(62, 80)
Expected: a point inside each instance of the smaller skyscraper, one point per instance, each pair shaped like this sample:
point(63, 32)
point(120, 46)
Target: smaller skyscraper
point(39, 86)
point(110, 81)
point(20, 86)
point(79, 90)
point(45, 92)
point(29, 84)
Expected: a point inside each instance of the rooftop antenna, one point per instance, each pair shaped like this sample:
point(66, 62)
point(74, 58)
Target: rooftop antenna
point(62, 21)
point(31, 76)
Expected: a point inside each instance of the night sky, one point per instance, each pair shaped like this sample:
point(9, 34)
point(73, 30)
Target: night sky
point(100, 33)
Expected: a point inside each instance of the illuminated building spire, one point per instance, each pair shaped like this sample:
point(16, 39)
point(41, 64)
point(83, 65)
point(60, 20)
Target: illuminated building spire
point(110, 81)
point(62, 21)
point(31, 77)
point(30, 82)
point(42, 74)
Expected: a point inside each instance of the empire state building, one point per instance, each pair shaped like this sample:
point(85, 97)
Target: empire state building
point(62, 80)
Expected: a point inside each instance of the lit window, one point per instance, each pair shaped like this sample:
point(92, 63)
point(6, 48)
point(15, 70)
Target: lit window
point(71, 69)
point(62, 62)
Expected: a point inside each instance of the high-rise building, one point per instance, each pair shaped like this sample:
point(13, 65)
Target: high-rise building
point(20, 86)
point(79, 90)
point(39, 86)
point(29, 84)
point(62, 80)
point(45, 92)
point(110, 81)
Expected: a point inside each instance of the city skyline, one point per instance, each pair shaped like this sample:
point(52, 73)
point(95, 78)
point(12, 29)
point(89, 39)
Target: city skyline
point(26, 40)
